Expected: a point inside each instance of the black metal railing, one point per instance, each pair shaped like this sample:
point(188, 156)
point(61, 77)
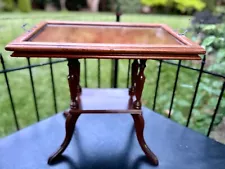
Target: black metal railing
point(114, 83)
point(201, 71)
point(5, 71)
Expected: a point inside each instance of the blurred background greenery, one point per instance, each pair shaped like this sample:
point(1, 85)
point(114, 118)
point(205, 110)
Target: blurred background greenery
point(201, 20)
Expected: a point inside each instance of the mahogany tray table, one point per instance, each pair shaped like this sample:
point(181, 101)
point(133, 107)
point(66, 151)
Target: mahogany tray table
point(104, 40)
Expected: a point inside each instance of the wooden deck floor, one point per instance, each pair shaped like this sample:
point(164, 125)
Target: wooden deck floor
point(109, 141)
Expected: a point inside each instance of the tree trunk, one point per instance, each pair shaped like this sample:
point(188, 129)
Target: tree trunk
point(62, 3)
point(93, 5)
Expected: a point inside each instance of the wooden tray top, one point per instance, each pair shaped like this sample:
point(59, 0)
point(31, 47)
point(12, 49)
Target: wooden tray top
point(104, 40)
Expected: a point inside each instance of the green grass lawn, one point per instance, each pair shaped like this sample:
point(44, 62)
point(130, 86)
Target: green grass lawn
point(11, 27)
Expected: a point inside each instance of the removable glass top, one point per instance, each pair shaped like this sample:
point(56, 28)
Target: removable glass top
point(69, 33)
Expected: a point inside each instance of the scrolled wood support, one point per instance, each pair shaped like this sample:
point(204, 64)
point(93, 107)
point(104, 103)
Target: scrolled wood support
point(73, 80)
point(134, 73)
point(140, 80)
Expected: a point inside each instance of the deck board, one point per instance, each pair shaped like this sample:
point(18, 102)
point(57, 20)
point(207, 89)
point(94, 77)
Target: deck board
point(108, 141)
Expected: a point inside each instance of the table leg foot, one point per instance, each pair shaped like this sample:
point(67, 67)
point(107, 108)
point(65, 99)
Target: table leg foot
point(139, 127)
point(70, 125)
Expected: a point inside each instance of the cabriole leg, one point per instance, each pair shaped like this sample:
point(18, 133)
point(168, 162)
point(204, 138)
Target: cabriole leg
point(70, 123)
point(139, 127)
point(138, 118)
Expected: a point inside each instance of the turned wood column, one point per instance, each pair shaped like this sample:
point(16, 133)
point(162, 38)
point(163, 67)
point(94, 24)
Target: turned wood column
point(73, 80)
point(140, 80)
point(79, 90)
point(134, 73)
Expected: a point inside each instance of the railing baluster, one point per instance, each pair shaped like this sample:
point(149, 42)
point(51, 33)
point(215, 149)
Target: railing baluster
point(174, 88)
point(99, 73)
point(118, 12)
point(33, 90)
point(53, 86)
point(157, 85)
point(128, 73)
point(10, 94)
point(114, 73)
point(85, 73)
point(196, 91)
point(216, 109)
point(115, 62)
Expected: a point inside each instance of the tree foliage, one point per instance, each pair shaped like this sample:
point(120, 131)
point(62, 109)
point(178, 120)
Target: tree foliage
point(24, 5)
point(211, 37)
point(155, 2)
point(181, 5)
point(210, 4)
point(185, 5)
point(11, 5)
point(8, 5)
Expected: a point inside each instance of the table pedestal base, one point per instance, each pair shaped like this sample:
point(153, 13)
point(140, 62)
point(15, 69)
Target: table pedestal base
point(131, 106)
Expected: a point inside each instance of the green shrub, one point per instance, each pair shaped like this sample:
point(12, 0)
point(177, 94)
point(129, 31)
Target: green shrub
point(212, 38)
point(8, 5)
point(210, 4)
point(184, 6)
point(24, 5)
point(188, 5)
point(154, 2)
